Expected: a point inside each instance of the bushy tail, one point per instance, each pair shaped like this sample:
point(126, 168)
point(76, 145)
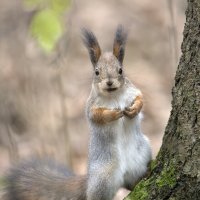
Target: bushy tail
point(37, 179)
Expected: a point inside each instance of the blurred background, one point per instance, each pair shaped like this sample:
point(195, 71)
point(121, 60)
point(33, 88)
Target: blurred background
point(45, 79)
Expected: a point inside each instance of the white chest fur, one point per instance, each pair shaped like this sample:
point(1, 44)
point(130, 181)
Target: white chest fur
point(132, 146)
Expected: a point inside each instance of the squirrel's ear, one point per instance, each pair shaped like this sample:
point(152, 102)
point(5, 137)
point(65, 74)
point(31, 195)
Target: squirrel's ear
point(92, 45)
point(119, 43)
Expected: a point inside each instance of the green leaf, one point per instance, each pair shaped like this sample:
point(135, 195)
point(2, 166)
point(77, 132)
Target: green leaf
point(46, 27)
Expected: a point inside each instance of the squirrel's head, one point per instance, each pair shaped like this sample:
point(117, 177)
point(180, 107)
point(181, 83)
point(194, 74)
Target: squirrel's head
point(108, 67)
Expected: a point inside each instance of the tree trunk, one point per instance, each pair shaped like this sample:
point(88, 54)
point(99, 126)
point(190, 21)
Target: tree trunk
point(175, 174)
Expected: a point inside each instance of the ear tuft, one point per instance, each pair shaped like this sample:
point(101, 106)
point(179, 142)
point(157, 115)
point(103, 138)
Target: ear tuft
point(92, 45)
point(119, 43)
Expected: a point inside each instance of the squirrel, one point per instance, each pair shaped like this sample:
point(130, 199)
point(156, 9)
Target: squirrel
point(119, 153)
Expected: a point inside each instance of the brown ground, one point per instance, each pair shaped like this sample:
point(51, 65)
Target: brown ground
point(42, 97)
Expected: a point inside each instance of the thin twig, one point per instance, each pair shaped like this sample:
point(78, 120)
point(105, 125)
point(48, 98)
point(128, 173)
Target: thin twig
point(173, 33)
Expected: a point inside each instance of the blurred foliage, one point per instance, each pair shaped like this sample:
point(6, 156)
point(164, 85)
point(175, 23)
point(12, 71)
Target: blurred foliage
point(46, 25)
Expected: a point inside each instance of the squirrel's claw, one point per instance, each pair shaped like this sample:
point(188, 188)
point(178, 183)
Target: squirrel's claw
point(120, 113)
point(130, 113)
point(127, 109)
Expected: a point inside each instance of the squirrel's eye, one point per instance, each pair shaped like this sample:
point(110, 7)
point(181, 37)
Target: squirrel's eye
point(120, 70)
point(97, 72)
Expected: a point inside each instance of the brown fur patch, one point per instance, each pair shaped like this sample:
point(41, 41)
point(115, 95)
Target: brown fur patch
point(119, 43)
point(135, 108)
point(97, 52)
point(104, 115)
point(138, 103)
point(116, 49)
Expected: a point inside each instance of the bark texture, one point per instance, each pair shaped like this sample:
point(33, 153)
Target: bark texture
point(175, 174)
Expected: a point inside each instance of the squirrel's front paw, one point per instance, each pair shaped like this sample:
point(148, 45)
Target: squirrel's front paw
point(112, 115)
point(104, 115)
point(119, 113)
point(134, 109)
point(131, 112)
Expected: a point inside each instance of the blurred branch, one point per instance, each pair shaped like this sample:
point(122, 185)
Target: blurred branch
point(64, 125)
point(60, 59)
point(173, 33)
point(12, 146)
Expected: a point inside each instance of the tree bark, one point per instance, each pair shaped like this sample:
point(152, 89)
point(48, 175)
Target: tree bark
point(175, 174)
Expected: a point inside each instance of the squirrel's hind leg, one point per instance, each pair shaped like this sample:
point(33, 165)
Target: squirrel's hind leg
point(102, 183)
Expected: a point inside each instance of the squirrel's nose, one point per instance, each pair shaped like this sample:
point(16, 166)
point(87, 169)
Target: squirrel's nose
point(109, 83)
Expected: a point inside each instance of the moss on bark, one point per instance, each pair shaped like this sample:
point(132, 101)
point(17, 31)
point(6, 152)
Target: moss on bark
point(167, 179)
